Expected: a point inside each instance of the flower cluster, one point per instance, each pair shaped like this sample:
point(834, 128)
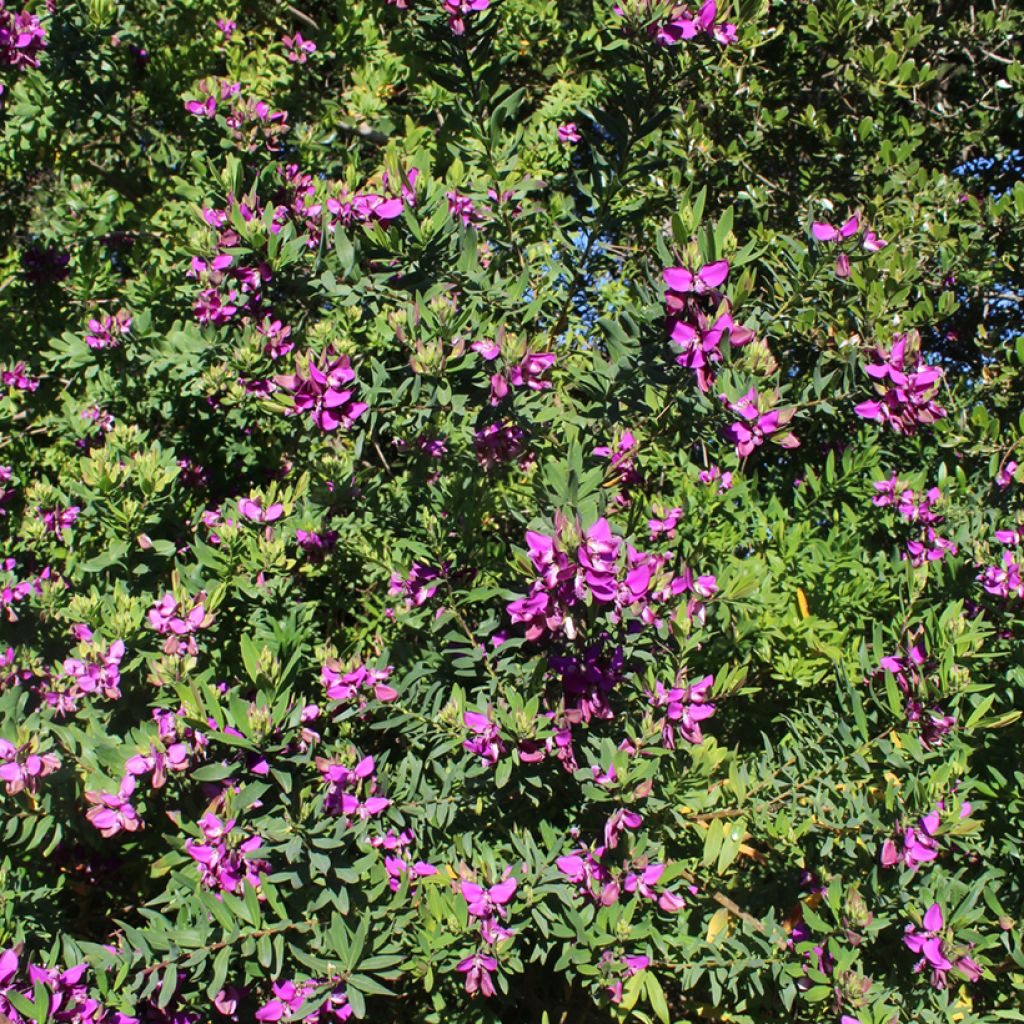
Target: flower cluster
point(907, 388)
point(107, 331)
point(21, 767)
point(681, 23)
point(66, 994)
point(824, 232)
point(940, 952)
point(1006, 580)
point(758, 423)
point(224, 858)
point(914, 508)
point(170, 618)
point(596, 574)
point(699, 319)
point(350, 792)
point(290, 996)
point(459, 10)
point(685, 707)
point(326, 394)
point(357, 683)
point(22, 39)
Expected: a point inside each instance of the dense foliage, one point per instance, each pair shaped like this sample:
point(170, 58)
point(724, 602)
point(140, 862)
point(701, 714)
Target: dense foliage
point(511, 510)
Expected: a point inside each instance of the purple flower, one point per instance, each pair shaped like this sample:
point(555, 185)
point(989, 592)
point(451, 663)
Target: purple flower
point(568, 133)
point(685, 708)
point(478, 969)
point(486, 740)
point(457, 11)
point(906, 386)
point(298, 49)
point(756, 426)
point(939, 953)
point(22, 39)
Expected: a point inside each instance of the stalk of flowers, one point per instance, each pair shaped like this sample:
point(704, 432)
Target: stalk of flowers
point(849, 229)
point(911, 672)
point(350, 791)
point(940, 953)
point(251, 120)
point(325, 393)
point(488, 906)
point(21, 767)
point(906, 386)
point(231, 291)
point(758, 422)
point(369, 206)
point(914, 508)
point(224, 855)
point(107, 331)
point(698, 318)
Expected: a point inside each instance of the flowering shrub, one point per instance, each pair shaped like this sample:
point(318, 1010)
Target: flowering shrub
point(511, 511)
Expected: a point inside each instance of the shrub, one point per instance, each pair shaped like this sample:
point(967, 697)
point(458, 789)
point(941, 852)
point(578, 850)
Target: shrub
point(512, 511)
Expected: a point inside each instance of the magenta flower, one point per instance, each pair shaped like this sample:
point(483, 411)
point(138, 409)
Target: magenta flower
point(939, 953)
point(499, 443)
point(223, 858)
point(1005, 475)
point(478, 969)
point(756, 426)
point(644, 884)
point(488, 906)
point(685, 708)
point(253, 510)
point(906, 386)
point(57, 520)
point(341, 685)
point(486, 741)
point(325, 394)
point(112, 812)
point(298, 49)
point(22, 39)
point(21, 767)
point(584, 868)
point(530, 372)
point(458, 10)
point(103, 333)
point(827, 233)
point(569, 134)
